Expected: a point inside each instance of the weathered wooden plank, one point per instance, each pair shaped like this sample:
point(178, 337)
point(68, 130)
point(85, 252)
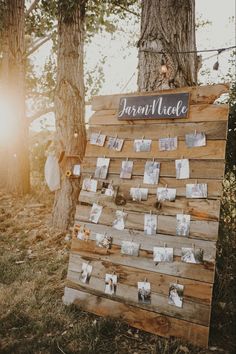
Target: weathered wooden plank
point(194, 312)
point(201, 229)
point(202, 272)
point(199, 94)
point(146, 320)
point(147, 242)
point(209, 169)
point(195, 291)
point(207, 118)
point(214, 187)
point(212, 151)
point(203, 209)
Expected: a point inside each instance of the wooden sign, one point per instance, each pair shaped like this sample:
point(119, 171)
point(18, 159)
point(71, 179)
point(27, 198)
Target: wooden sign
point(154, 107)
point(116, 265)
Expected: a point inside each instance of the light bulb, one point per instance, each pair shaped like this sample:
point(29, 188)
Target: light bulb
point(164, 68)
point(76, 134)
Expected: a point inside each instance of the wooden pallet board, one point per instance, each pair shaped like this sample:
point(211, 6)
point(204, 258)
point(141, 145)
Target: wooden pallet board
point(191, 321)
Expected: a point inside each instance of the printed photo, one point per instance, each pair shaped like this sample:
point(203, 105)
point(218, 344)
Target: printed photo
point(142, 145)
point(175, 297)
point(115, 143)
point(110, 284)
point(144, 292)
point(166, 194)
point(192, 255)
point(195, 140)
point(162, 254)
point(182, 168)
point(126, 169)
point(103, 241)
point(102, 167)
point(139, 194)
point(168, 144)
point(130, 248)
point(82, 232)
point(85, 274)
point(119, 222)
point(182, 224)
point(89, 185)
point(95, 213)
point(197, 190)
point(97, 139)
point(108, 189)
point(151, 172)
point(150, 224)
point(76, 170)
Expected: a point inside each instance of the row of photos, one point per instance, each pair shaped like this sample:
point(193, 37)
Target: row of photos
point(175, 294)
point(151, 176)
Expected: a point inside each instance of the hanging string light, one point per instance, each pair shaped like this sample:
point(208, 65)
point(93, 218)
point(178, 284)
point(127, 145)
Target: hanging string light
point(164, 68)
point(76, 134)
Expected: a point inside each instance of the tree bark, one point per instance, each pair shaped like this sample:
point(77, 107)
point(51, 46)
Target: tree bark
point(18, 173)
point(169, 27)
point(69, 109)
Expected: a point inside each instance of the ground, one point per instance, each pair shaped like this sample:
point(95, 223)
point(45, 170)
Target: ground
point(33, 319)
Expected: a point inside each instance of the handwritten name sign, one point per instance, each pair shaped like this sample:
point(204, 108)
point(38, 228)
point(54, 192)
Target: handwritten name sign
point(154, 107)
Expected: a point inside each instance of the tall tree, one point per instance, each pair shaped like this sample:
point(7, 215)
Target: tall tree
point(18, 178)
point(69, 105)
point(169, 27)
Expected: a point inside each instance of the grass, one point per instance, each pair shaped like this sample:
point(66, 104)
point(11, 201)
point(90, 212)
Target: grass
point(33, 319)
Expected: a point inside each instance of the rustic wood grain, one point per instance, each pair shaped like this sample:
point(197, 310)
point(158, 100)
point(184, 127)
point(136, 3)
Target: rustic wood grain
point(195, 291)
point(202, 229)
point(214, 187)
point(147, 242)
point(201, 272)
point(202, 209)
point(199, 94)
point(208, 169)
point(214, 150)
point(194, 312)
point(146, 320)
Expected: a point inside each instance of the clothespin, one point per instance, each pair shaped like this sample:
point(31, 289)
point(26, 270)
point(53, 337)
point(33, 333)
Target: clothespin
point(166, 186)
point(193, 246)
point(150, 212)
point(195, 132)
point(176, 281)
point(182, 157)
point(153, 160)
point(195, 181)
point(142, 137)
point(145, 280)
point(165, 244)
point(127, 159)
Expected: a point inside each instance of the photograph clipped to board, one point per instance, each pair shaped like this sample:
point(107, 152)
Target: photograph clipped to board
point(115, 143)
point(168, 144)
point(144, 292)
point(192, 255)
point(103, 241)
point(110, 284)
point(126, 169)
point(139, 194)
point(95, 213)
point(167, 194)
point(89, 185)
point(195, 139)
point(130, 248)
point(102, 167)
point(182, 225)
point(197, 190)
point(142, 145)
point(151, 172)
point(119, 222)
point(86, 272)
point(163, 254)
point(182, 169)
point(175, 297)
point(150, 224)
point(97, 139)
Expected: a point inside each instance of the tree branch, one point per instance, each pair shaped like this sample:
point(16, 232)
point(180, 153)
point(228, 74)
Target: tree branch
point(37, 46)
point(32, 7)
point(39, 114)
point(127, 10)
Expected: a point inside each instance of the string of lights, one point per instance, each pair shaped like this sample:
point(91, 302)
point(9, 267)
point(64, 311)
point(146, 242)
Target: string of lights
point(218, 50)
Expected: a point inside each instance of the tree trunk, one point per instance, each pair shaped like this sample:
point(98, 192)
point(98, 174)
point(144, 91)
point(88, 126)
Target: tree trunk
point(69, 108)
point(169, 27)
point(18, 173)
